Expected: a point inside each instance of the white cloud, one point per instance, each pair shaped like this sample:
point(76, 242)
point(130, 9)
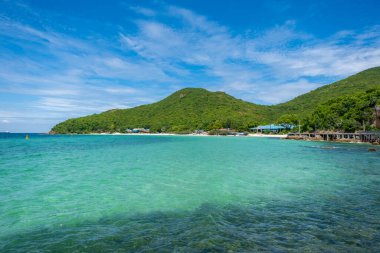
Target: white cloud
point(283, 55)
point(321, 60)
point(143, 11)
point(68, 76)
point(285, 91)
point(5, 121)
point(197, 22)
point(121, 90)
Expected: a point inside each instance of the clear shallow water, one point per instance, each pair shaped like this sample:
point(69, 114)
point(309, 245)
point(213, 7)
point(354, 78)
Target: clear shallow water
point(167, 193)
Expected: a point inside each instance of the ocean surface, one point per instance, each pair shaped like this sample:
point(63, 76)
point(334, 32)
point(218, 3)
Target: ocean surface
point(186, 194)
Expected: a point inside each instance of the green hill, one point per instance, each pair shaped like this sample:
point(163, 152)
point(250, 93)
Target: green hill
point(195, 108)
point(186, 109)
point(305, 104)
point(346, 113)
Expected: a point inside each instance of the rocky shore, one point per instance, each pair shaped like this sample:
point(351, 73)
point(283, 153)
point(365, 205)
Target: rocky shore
point(364, 137)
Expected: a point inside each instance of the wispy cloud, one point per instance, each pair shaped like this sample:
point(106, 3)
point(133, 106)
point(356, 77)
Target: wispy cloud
point(144, 11)
point(279, 58)
point(60, 75)
point(68, 76)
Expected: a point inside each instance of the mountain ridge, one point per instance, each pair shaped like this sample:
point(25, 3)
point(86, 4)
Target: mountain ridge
point(367, 79)
point(197, 108)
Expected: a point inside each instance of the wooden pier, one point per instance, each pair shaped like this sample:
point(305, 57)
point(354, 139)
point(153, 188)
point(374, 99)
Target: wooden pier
point(370, 137)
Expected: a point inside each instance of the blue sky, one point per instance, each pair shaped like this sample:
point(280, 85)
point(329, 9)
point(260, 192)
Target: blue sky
point(62, 59)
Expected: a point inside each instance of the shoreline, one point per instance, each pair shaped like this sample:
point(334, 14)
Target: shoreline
point(272, 136)
point(336, 137)
point(279, 136)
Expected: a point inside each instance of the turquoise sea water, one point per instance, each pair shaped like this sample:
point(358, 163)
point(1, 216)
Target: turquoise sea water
point(186, 194)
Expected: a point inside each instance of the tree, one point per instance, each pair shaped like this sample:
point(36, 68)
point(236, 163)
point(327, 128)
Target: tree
point(288, 120)
point(217, 124)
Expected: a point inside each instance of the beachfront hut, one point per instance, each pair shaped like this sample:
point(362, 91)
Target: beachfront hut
point(270, 128)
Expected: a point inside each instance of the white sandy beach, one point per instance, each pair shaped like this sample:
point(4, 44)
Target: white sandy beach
point(203, 135)
point(268, 135)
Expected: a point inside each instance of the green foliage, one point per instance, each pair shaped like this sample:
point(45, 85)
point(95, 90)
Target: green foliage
point(288, 119)
point(194, 108)
point(347, 113)
point(217, 125)
point(183, 111)
point(305, 104)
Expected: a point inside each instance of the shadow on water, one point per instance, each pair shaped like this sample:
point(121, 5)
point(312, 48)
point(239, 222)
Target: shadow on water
point(275, 227)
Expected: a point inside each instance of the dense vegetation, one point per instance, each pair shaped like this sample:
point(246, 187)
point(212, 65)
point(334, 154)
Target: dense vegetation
point(183, 111)
point(339, 106)
point(347, 113)
point(305, 104)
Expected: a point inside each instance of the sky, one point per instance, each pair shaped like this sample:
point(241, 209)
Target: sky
point(64, 58)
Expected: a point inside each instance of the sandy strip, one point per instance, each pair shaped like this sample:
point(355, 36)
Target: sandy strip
point(203, 135)
point(268, 135)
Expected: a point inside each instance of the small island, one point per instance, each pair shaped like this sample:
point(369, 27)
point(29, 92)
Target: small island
point(348, 106)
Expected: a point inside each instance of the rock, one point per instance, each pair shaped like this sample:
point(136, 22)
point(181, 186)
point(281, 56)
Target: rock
point(371, 150)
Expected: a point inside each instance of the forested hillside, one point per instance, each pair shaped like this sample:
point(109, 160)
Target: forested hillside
point(343, 105)
point(305, 104)
point(187, 109)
